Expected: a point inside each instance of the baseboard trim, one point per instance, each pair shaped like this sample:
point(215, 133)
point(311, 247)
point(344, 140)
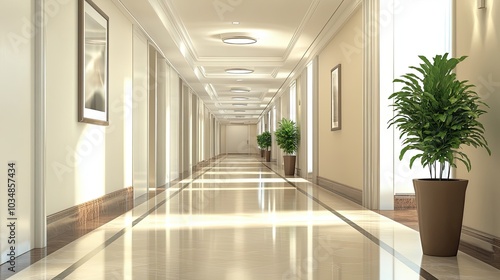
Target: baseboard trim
point(481, 245)
point(404, 201)
point(341, 189)
point(115, 203)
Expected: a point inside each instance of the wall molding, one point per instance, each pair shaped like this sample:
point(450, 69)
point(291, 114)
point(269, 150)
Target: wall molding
point(115, 204)
point(481, 245)
point(404, 201)
point(348, 192)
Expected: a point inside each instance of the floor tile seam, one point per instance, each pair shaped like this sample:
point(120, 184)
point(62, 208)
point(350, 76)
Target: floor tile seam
point(415, 267)
point(120, 233)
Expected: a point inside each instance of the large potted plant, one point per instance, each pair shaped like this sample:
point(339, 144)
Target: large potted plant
point(287, 138)
point(261, 146)
point(436, 115)
point(266, 143)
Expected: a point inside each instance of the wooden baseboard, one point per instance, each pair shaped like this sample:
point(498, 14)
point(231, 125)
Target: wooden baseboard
point(341, 189)
point(404, 201)
point(115, 203)
point(480, 245)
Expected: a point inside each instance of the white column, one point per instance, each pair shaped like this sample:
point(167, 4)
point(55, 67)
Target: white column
point(40, 230)
point(371, 105)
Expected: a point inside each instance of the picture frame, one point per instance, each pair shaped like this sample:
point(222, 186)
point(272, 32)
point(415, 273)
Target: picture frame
point(336, 90)
point(93, 74)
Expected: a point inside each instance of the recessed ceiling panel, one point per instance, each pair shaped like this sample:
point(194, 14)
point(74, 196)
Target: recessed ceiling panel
point(204, 21)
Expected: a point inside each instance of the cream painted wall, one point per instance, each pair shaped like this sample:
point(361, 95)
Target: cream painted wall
point(478, 36)
point(140, 114)
point(237, 139)
point(84, 161)
point(17, 122)
point(223, 129)
point(163, 71)
point(252, 139)
point(340, 152)
point(174, 109)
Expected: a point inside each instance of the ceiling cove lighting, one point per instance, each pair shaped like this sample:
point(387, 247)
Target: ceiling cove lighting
point(239, 71)
point(240, 105)
point(239, 40)
point(240, 90)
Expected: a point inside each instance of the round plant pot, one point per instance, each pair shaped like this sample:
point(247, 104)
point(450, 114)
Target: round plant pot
point(289, 162)
point(440, 208)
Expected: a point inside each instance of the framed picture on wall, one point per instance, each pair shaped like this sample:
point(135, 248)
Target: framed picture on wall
point(92, 64)
point(336, 94)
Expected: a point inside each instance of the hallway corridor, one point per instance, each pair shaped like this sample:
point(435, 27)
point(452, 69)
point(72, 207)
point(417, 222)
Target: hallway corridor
point(238, 218)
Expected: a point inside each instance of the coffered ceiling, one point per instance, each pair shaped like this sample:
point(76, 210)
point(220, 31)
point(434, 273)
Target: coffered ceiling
point(288, 32)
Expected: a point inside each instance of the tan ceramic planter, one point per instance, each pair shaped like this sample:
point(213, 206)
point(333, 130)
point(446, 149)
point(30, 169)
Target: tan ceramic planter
point(289, 162)
point(440, 207)
point(268, 156)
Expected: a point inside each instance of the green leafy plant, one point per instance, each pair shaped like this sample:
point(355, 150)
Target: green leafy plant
point(266, 140)
point(436, 114)
point(259, 142)
point(287, 136)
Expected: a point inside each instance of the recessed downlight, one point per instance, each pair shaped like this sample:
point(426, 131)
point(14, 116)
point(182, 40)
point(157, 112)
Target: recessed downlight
point(239, 40)
point(239, 71)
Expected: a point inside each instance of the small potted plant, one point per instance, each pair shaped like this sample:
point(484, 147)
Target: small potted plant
point(436, 114)
point(261, 146)
point(287, 138)
point(266, 143)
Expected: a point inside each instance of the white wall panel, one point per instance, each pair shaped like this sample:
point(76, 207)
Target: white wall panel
point(16, 115)
point(237, 139)
point(163, 122)
point(174, 125)
point(84, 161)
point(140, 114)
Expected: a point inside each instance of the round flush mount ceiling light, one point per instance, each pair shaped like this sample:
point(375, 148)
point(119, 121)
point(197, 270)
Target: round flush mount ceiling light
point(240, 90)
point(240, 98)
point(239, 40)
point(239, 71)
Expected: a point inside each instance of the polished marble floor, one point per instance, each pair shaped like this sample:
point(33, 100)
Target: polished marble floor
point(239, 218)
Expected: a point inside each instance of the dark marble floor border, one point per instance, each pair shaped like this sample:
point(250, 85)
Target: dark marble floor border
point(70, 224)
